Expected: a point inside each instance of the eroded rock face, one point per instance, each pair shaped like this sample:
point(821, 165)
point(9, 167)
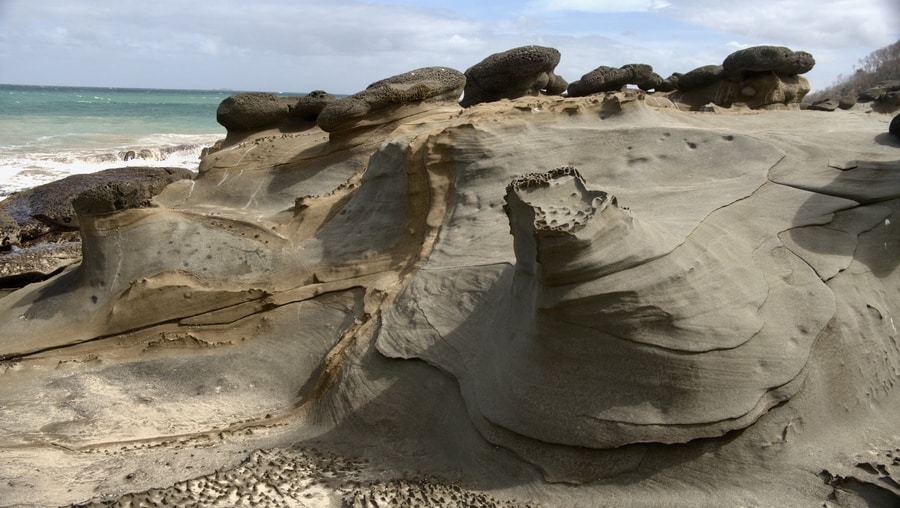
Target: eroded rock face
point(630, 307)
point(434, 288)
point(431, 84)
point(518, 72)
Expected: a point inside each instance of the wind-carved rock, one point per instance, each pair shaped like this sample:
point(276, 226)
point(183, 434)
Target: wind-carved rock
point(310, 105)
point(656, 345)
point(610, 79)
point(518, 72)
point(759, 77)
point(251, 111)
point(659, 348)
point(428, 84)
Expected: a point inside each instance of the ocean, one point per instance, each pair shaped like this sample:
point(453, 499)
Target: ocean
point(49, 132)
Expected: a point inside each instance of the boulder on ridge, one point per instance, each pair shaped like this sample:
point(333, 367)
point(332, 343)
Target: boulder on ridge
point(310, 105)
point(778, 59)
point(824, 105)
point(249, 111)
point(431, 84)
point(610, 79)
point(700, 77)
point(518, 72)
point(48, 207)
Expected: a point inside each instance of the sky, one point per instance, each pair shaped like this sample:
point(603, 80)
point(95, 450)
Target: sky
point(343, 45)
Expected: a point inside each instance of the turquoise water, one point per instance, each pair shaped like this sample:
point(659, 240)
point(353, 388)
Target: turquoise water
point(47, 133)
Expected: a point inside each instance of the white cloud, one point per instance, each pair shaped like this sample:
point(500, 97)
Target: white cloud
point(826, 23)
point(599, 6)
point(343, 45)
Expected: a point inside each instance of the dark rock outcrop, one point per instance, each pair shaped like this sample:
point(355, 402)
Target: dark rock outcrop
point(611, 79)
point(310, 105)
point(601, 79)
point(518, 72)
point(895, 126)
point(700, 77)
point(251, 111)
point(757, 77)
point(824, 105)
point(48, 207)
point(777, 59)
point(872, 94)
point(847, 101)
point(887, 102)
point(41, 238)
point(117, 196)
point(431, 84)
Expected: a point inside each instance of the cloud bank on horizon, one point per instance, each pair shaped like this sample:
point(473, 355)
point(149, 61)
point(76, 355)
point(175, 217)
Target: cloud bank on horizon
point(343, 45)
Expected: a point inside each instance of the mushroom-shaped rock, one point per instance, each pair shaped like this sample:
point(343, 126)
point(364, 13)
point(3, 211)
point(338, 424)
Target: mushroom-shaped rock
point(758, 77)
point(48, 207)
point(431, 84)
point(778, 59)
point(310, 105)
point(610, 79)
point(642, 76)
point(251, 111)
point(518, 72)
point(601, 79)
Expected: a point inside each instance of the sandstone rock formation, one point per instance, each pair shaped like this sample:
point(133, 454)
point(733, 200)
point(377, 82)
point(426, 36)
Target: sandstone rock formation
point(431, 84)
point(758, 77)
point(707, 305)
point(43, 216)
point(48, 207)
point(518, 72)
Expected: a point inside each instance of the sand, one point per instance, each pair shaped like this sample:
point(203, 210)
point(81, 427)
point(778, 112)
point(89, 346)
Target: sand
point(698, 309)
